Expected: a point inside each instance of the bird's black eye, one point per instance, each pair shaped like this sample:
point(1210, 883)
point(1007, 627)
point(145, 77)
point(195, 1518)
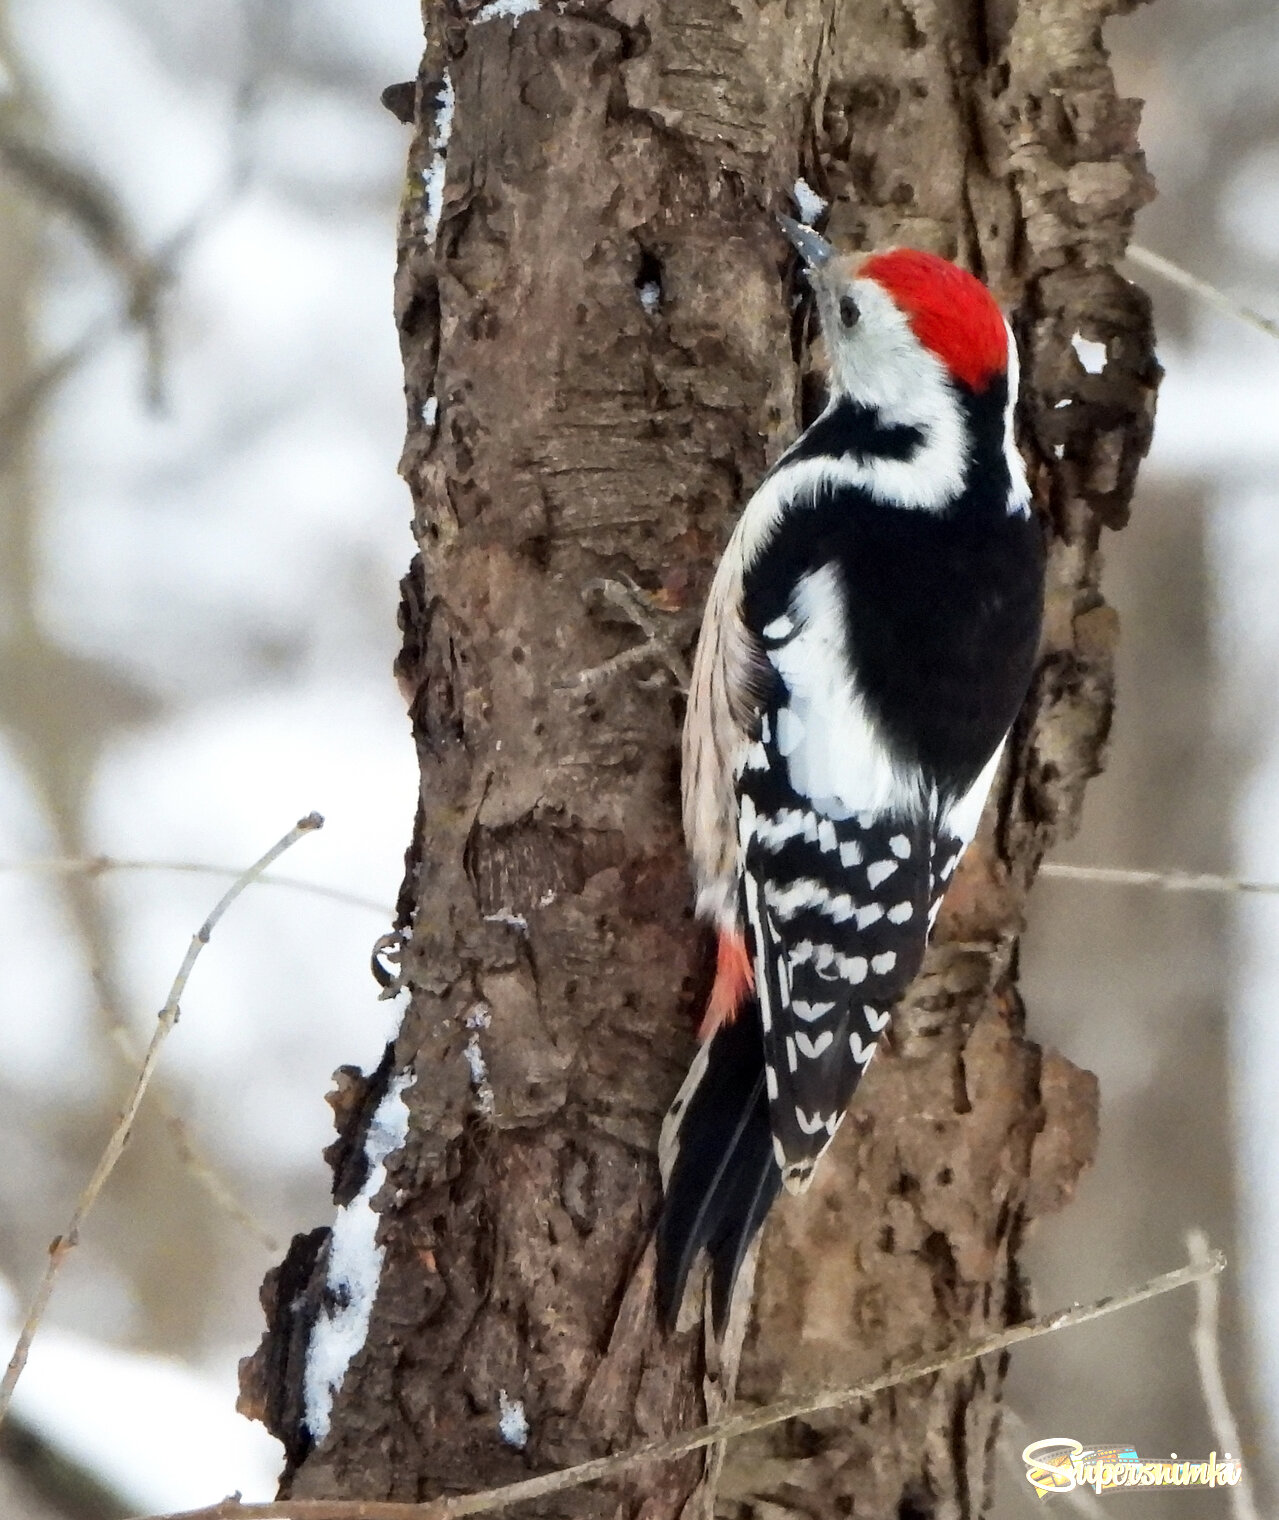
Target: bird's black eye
point(849, 311)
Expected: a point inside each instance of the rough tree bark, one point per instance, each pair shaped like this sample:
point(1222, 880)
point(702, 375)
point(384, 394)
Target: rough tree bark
point(601, 362)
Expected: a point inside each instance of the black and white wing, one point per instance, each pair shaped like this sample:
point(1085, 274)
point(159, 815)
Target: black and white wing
point(837, 850)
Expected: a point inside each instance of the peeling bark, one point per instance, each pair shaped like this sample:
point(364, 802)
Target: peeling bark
point(563, 432)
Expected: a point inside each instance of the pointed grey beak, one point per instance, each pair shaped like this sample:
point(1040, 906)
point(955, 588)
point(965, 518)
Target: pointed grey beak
point(813, 249)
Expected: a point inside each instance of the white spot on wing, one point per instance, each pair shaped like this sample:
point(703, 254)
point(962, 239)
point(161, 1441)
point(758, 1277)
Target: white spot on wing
point(900, 912)
point(812, 1048)
point(802, 1009)
point(791, 1060)
point(808, 894)
point(900, 846)
point(829, 963)
point(875, 1018)
point(881, 870)
point(810, 1124)
point(770, 1082)
point(850, 853)
point(861, 1053)
point(787, 823)
point(868, 915)
point(780, 628)
point(883, 963)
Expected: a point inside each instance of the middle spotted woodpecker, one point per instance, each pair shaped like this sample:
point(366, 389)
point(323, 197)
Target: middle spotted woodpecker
point(869, 638)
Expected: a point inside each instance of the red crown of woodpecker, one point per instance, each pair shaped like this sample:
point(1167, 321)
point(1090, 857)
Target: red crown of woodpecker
point(950, 311)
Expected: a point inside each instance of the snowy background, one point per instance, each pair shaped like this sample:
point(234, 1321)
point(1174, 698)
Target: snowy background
point(197, 602)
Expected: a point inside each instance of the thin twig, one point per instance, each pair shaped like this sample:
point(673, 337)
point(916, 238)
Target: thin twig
point(190, 1153)
point(65, 1243)
point(1170, 881)
point(1121, 876)
point(99, 865)
point(20, 409)
point(1205, 1340)
point(192, 1156)
point(723, 1430)
point(1176, 275)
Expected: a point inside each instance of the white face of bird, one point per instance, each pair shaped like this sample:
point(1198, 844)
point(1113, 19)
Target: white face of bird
point(898, 325)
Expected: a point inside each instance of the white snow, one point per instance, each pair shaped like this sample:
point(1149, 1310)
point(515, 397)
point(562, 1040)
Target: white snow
point(434, 176)
point(1091, 355)
point(355, 1265)
point(810, 204)
point(484, 1099)
point(512, 1422)
point(163, 1436)
point(650, 297)
point(512, 8)
point(430, 411)
point(479, 1018)
point(510, 919)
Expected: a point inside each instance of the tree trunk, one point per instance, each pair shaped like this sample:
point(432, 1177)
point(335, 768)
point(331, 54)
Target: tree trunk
point(600, 364)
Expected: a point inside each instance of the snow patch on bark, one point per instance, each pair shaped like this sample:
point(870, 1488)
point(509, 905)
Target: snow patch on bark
point(510, 918)
point(1091, 355)
point(433, 178)
point(810, 204)
point(355, 1266)
point(479, 1018)
point(512, 8)
point(512, 1422)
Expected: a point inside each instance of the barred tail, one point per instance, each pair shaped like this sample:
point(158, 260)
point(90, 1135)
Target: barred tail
point(718, 1168)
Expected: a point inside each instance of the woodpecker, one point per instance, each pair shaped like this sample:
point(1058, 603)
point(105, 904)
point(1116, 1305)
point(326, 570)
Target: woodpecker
point(869, 637)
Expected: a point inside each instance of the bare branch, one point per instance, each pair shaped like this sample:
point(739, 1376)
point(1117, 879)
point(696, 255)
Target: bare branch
point(1206, 1343)
point(192, 1156)
point(100, 865)
point(724, 1430)
point(1120, 876)
point(157, 273)
point(1169, 881)
point(65, 1243)
point(96, 210)
point(1184, 280)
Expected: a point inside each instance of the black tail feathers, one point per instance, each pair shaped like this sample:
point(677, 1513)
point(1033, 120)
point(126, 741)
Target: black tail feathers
point(721, 1176)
